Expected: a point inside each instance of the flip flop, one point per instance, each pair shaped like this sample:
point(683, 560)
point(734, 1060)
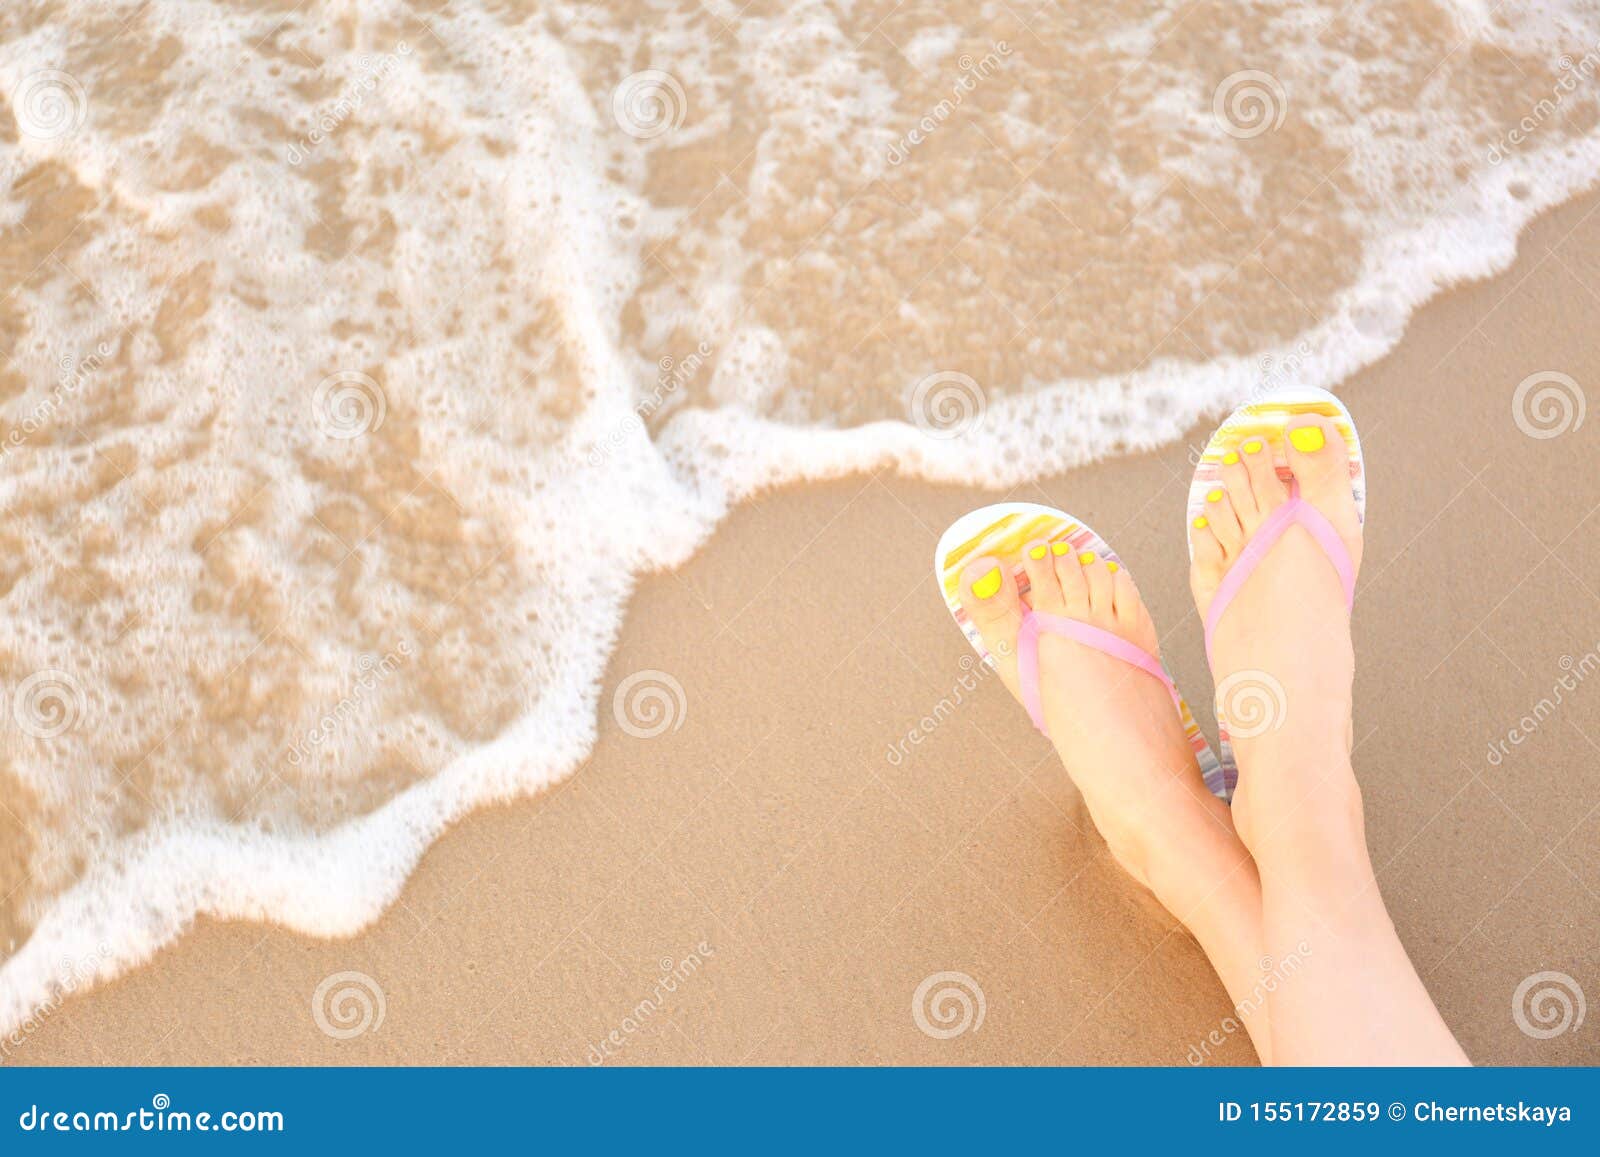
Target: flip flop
point(1266, 419)
point(1003, 530)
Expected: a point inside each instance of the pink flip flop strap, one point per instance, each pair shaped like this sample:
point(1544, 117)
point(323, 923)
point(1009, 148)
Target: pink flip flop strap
point(1035, 624)
point(1296, 512)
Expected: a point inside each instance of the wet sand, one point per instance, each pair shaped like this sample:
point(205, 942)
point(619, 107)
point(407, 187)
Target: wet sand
point(763, 884)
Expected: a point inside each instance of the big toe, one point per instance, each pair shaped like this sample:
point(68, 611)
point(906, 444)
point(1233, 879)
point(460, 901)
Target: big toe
point(1320, 461)
point(990, 598)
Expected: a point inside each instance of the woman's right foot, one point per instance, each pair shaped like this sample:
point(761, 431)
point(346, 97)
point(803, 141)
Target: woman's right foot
point(1283, 642)
point(1282, 649)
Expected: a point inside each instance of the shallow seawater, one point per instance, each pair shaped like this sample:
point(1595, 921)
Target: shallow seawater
point(356, 357)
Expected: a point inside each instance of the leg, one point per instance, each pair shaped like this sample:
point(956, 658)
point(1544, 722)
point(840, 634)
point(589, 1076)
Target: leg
point(1121, 740)
point(1355, 997)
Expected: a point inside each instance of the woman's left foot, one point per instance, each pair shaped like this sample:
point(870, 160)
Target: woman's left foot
point(1114, 726)
point(1124, 744)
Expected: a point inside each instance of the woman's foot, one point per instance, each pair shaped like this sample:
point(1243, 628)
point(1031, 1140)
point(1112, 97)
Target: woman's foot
point(1114, 726)
point(1284, 640)
point(1282, 651)
point(1122, 741)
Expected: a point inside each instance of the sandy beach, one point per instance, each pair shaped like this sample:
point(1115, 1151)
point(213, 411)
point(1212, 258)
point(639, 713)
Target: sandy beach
point(772, 878)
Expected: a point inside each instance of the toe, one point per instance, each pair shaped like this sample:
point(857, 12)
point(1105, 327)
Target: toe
point(1316, 450)
point(1224, 522)
point(1320, 461)
point(989, 596)
point(1127, 606)
point(1098, 580)
point(1265, 485)
point(1236, 480)
point(1210, 561)
point(1069, 573)
point(1044, 592)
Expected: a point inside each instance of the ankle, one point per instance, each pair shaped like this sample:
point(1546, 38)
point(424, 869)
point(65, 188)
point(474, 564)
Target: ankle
point(1183, 861)
point(1322, 867)
point(1306, 814)
point(1310, 728)
point(1146, 852)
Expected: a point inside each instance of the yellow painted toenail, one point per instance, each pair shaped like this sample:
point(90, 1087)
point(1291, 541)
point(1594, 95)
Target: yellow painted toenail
point(1201, 523)
point(1307, 439)
point(1037, 552)
point(1253, 446)
point(1086, 557)
point(1231, 458)
point(989, 585)
point(1112, 567)
point(1060, 548)
point(1215, 495)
